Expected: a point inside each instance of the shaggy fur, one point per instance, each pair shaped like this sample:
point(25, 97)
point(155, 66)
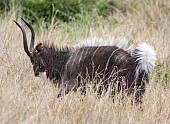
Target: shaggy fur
point(107, 65)
point(110, 67)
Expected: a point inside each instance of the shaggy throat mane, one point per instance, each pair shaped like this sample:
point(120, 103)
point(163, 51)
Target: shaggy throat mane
point(55, 59)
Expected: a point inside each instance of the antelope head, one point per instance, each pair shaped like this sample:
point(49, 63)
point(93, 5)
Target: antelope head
point(35, 54)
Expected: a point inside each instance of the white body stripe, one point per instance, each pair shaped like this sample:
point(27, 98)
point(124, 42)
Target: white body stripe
point(145, 54)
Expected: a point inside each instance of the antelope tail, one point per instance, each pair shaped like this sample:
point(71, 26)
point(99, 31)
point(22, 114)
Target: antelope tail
point(145, 56)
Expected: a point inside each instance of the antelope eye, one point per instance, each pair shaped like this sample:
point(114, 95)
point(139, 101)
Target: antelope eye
point(40, 66)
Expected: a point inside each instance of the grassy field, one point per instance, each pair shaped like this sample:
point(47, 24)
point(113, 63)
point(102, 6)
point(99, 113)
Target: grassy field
point(28, 99)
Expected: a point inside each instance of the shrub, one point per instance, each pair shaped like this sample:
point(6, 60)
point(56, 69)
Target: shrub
point(64, 10)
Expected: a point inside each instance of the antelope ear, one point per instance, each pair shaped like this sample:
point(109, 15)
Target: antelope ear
point(39, 47)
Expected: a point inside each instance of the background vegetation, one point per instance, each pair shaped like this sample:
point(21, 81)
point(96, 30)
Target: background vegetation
point(65, 10)
point(27, 99)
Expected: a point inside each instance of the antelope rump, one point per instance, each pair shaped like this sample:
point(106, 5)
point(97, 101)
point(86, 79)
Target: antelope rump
point(109, 67)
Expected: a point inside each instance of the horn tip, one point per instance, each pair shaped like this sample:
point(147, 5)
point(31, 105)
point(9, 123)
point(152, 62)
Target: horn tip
point(15, 22)
point(23, 19)
point(20, 16)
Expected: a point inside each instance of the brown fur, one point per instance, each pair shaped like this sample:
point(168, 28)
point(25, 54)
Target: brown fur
point(73, 68)
point(107, 65)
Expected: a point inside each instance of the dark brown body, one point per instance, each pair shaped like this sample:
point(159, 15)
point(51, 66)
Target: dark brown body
point(73, 68)
point(103, 62)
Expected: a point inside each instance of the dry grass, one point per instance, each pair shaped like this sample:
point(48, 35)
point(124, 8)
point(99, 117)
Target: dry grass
point(27, 99)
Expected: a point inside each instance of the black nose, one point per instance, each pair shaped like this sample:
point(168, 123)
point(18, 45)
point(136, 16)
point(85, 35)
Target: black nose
point(36, 74)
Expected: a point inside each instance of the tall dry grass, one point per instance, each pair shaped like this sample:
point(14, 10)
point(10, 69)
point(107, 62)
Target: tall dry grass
point(28, 99)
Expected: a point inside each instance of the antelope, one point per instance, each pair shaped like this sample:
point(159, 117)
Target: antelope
point(109, 65)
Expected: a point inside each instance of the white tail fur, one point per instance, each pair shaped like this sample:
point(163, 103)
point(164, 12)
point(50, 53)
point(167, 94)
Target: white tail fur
point(145, 56)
